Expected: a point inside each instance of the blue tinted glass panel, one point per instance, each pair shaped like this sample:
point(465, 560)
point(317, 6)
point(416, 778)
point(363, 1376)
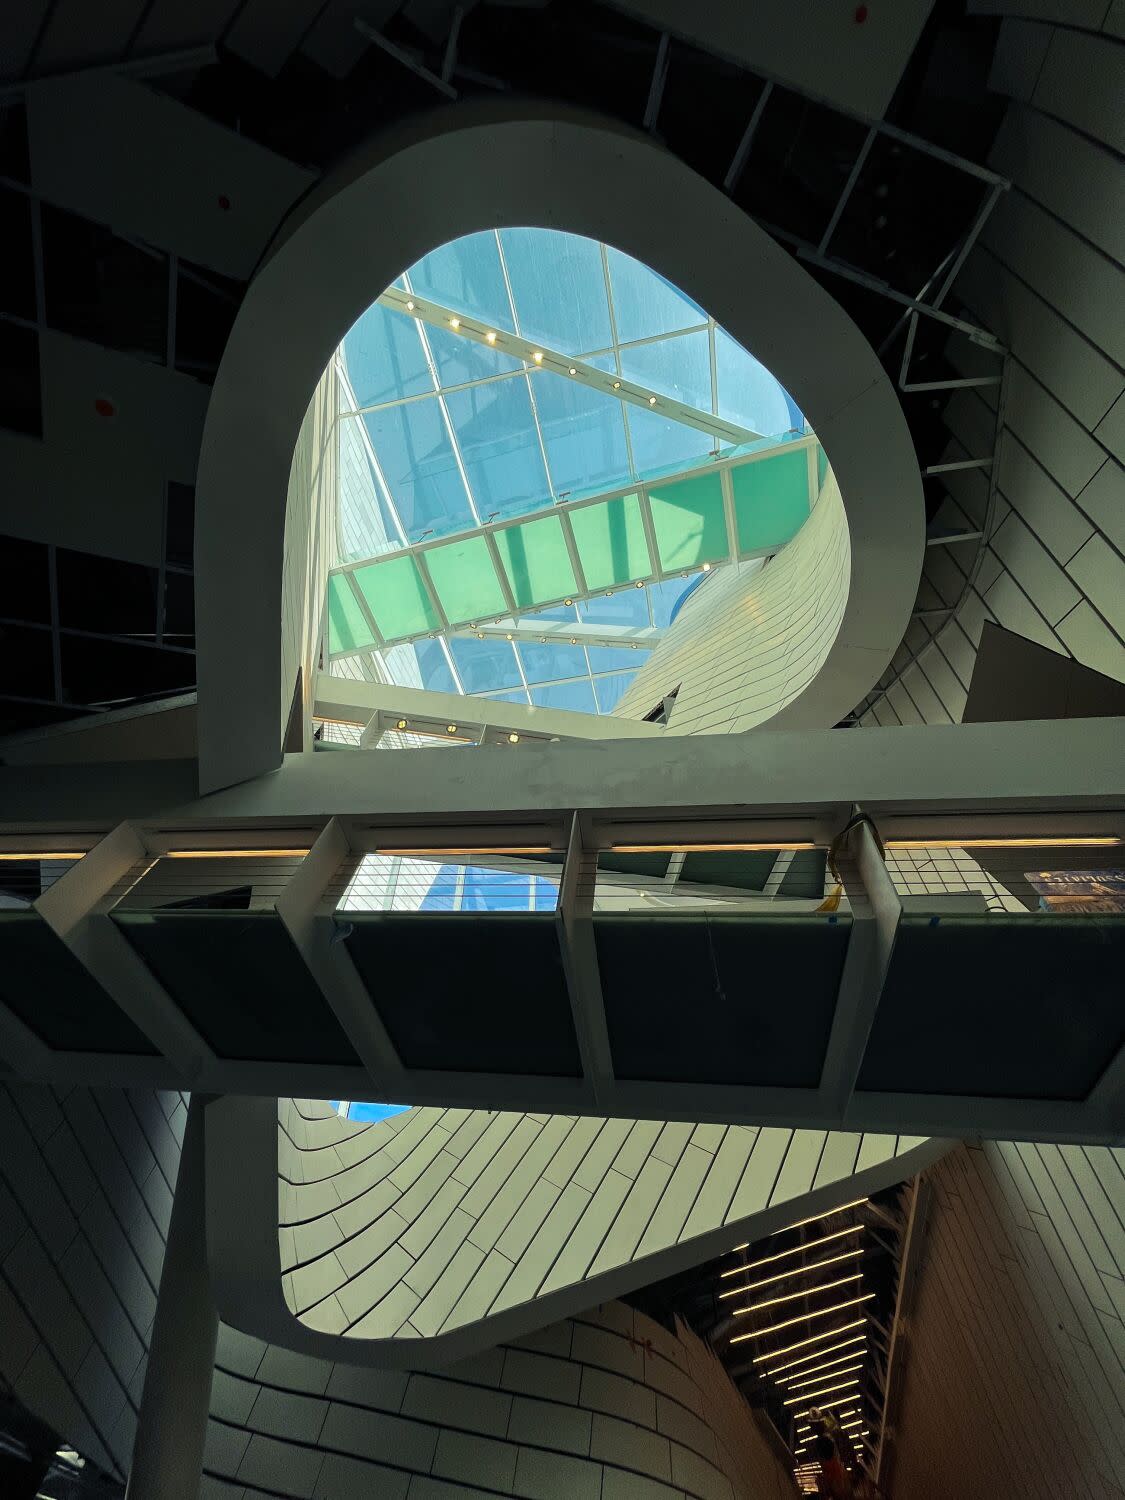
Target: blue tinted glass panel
point(544, 663)
point(558, 287)
point(519, 696)
point(358, 1110)
point(384, 358)
point(659, 443)
point(609, 690)
point(664, 598)
point(434, 668)
point(496, 890)
point(616, 658)
point(367, 524)
point(583, 433)
point(545, 894)
point(466, 275)
point(496, 433)
point(577, 696)
point(485, 665)
point(645, 303)
point(457, 359)
point(442, 891)
point(417, 460)
point(748, 393)
point(627, 606)
point(679, 367)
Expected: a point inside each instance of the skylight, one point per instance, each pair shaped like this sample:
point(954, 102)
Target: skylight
point(543, 445)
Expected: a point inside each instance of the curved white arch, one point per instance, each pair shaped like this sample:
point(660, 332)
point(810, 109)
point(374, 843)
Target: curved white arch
point(471, 168)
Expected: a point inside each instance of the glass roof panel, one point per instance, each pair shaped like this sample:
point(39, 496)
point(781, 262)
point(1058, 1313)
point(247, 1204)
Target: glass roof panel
point(544, 663)
point(578, 697)
point(397, 598)
point(366, 520)
point(558, 288)
point(465, 580)
point(583, 433)
point(627, 607)
point(689, 523)
point(611, 542)
point(659, 443)
point(433, 668)
point(748, 393)
point(678, 367)
point(609, 690)
point(771, 500)
point(499, 442)
point(347, 628)
point(383, 359)
point(417, 459)
point(536, 561)
point(487, 665)
point(616, 658)
point(466, 274)
point(646, 304)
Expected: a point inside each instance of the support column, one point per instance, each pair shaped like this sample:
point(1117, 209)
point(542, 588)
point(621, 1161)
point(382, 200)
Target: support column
point(172, 1423)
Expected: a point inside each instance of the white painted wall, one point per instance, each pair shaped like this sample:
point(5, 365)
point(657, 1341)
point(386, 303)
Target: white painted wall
point(1047, 279)
point(751, 639)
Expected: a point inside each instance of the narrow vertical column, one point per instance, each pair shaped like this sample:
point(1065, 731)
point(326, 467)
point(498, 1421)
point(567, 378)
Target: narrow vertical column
point(172, 1424)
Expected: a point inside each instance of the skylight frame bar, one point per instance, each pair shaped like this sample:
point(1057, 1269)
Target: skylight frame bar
point(379, 641)
point(581, 586)
point(498, 568)
point(649, 528)
point(428, 585)
point(730, 520)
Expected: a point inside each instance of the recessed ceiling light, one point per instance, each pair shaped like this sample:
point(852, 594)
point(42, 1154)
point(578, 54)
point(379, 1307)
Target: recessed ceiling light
point(513, 739)
point(707, 567)
point(573, 371)
point(455, 322)
point(652, 400)
point(568, 602)
point(409, 306)
point(511, 637)
point(480, 635)
point(401, 724)
point(490, 336)
point(574, 640)
point(617, 385)
point(538, 357)
point(640, 583)
point(451, 729)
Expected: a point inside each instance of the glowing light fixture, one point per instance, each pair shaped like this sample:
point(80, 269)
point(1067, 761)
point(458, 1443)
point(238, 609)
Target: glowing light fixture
point(815, 1265)
point(513, 739)
point(827, 1214)
point(814, 1373)
point(410, 307)
point(815, 1339)
point(796, 1296)
point(821, 1312)
point(827, 1390)
point(573, 371)
point(401, 724)
point(837, 1234)
point(652, 400)
point(538, 356)
point(455, 322)
point(490, 337)
point(451, 729)
point(43, 854)
point(1023, 843)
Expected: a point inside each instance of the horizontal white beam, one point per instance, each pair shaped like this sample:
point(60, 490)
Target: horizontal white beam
point(567, 633)
point(538, 357)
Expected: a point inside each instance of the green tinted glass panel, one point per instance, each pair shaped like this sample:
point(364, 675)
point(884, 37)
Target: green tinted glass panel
point(821, 466)
point(771, 500)
point(466, 581)
point(611, 542)
point(397, 598)
point(347, 628)
point(689, 524)
point(536, 561)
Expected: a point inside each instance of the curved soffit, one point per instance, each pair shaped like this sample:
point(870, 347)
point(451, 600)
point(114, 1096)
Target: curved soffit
point(431, 1235)
point(469, 168)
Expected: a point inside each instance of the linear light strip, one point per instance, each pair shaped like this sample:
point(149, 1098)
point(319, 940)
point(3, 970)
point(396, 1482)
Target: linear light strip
point(796, 1250)
point(815, 1265)
point(801, 1344)
point(822, 1312)
point(740, 848)
point(841, 1385)
point(26, 854)
point(827, 1214)
point(233, 854)
point(795, 1296)
point(1056, 842)
point(825, 1405)
point(808, 1378)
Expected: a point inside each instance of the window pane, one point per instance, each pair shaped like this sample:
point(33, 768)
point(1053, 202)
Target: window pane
point(397, 598)
point(499, 444)
point(771, 499)
point(536, 560)
point(610, 690)
point(660, 444)
point(485, 665)
point(416, 457)
point(748, 393)
point(616, 658)
point(679, 367)
point(433, 668)
point(544, 663)
point(689, 522)
point(611, 542)
point(383, 359)
point(465, 581)
point(366, 520)
point(645, 303)
point(577, 696)
point(559, 289)
point(496, 890)
point(466, 275)
point(457, 359)
point(583, 433)
point(626, 607)
point(346, 626)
